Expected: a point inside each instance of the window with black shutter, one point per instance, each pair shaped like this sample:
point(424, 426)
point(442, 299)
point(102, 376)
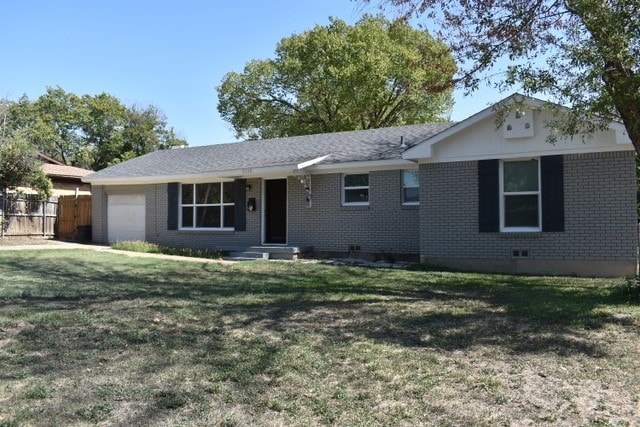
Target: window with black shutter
point(521, 195)
point(488, 196)
point(552, 179)
point(172, 205)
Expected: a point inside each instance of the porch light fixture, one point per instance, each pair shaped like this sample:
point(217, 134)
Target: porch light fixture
point(305, 180)
point(251, 204)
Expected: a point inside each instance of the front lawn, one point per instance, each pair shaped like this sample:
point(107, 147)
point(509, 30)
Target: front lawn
point(100, 338)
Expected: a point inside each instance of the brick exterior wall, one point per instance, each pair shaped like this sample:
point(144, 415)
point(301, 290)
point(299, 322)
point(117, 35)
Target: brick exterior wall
point(385, 226)
point(600, 236)
point(98, 214)
point(600, 217)
point(156, 221)
point(156, 224)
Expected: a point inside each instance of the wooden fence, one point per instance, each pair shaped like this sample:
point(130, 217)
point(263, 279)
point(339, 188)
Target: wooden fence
point(27, 216)
point(67, 217)
point(74, 217)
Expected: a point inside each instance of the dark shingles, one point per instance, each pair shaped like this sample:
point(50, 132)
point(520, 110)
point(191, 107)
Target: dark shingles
point(353, 146)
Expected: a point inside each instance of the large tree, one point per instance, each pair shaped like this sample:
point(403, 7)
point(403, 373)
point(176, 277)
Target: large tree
point(90, 131)
point(582, 53)
point(19, 163)
point(338, 77)
point(20, 166)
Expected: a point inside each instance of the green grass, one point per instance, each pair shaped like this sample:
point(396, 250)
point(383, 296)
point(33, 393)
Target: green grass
point(152, 248)
point(99, 338)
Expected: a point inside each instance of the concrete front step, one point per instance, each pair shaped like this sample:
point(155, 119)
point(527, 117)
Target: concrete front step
point(248, 255)
point(268, 252)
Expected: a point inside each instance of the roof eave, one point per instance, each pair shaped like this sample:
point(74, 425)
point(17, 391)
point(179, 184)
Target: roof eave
point(362, 166)
point(282, 170)
point(266, 172)
point(78, 177)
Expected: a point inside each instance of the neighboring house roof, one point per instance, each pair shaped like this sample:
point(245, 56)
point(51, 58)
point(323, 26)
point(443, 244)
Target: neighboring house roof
point(55, 168)
point(278, 155)
point(63, 171)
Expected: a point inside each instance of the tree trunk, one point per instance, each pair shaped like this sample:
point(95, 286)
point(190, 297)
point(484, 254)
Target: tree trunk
point(630, 114)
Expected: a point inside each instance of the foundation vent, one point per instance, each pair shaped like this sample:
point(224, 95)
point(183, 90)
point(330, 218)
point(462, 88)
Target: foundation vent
point(520, 253)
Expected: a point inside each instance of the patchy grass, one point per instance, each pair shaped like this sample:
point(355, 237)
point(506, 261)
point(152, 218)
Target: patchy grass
point(89, 337)
point(152, 248)
point(24, 240)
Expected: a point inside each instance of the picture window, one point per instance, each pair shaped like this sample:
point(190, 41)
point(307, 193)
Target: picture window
point(207, 206)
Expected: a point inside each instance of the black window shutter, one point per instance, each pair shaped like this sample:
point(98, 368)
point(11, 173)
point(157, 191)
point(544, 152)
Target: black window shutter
point(172, 206)
point(240, 197)
point(488, 196)
point(552, 179)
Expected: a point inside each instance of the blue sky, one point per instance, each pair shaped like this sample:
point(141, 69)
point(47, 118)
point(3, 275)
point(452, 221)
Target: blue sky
point(166, 53)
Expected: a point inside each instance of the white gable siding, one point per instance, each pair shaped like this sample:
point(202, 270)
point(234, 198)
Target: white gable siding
point(483, 140)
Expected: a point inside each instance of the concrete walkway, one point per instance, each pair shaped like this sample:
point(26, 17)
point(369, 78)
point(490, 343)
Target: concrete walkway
point(60, 245)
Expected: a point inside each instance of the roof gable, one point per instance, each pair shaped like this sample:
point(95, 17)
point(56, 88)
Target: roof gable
point(477, 137)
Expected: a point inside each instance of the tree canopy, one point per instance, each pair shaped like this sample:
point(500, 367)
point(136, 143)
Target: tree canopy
point(89, 131)
point(19, 163)
point(339, 77)
point(581, 53)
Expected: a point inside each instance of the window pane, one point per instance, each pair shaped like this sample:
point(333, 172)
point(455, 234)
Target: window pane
point(187, 194)
point(521, 211)
point(207, 193)
point(187, 217)
point(227, 189)
point(521, 176)
point(228, 216)
point(359, 180)
point(208, 216)
point(410, 178)
point(355, 196)
point(411, 195)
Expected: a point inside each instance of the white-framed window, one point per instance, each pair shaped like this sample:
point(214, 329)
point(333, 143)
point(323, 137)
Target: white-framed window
point(355, 189)
point(520, 201)
point(410, 187)
point(207, 206)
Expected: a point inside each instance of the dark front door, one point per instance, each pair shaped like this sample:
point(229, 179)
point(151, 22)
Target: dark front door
point(275, 211)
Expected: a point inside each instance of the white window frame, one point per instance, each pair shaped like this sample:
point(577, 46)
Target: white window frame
point(195, 207)
point(404, 202)
point(538, 193)
point(362, 187)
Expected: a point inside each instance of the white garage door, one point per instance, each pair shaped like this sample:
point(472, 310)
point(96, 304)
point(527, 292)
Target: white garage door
point(125, 216)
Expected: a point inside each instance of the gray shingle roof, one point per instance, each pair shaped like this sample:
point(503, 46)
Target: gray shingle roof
point(340, 147)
